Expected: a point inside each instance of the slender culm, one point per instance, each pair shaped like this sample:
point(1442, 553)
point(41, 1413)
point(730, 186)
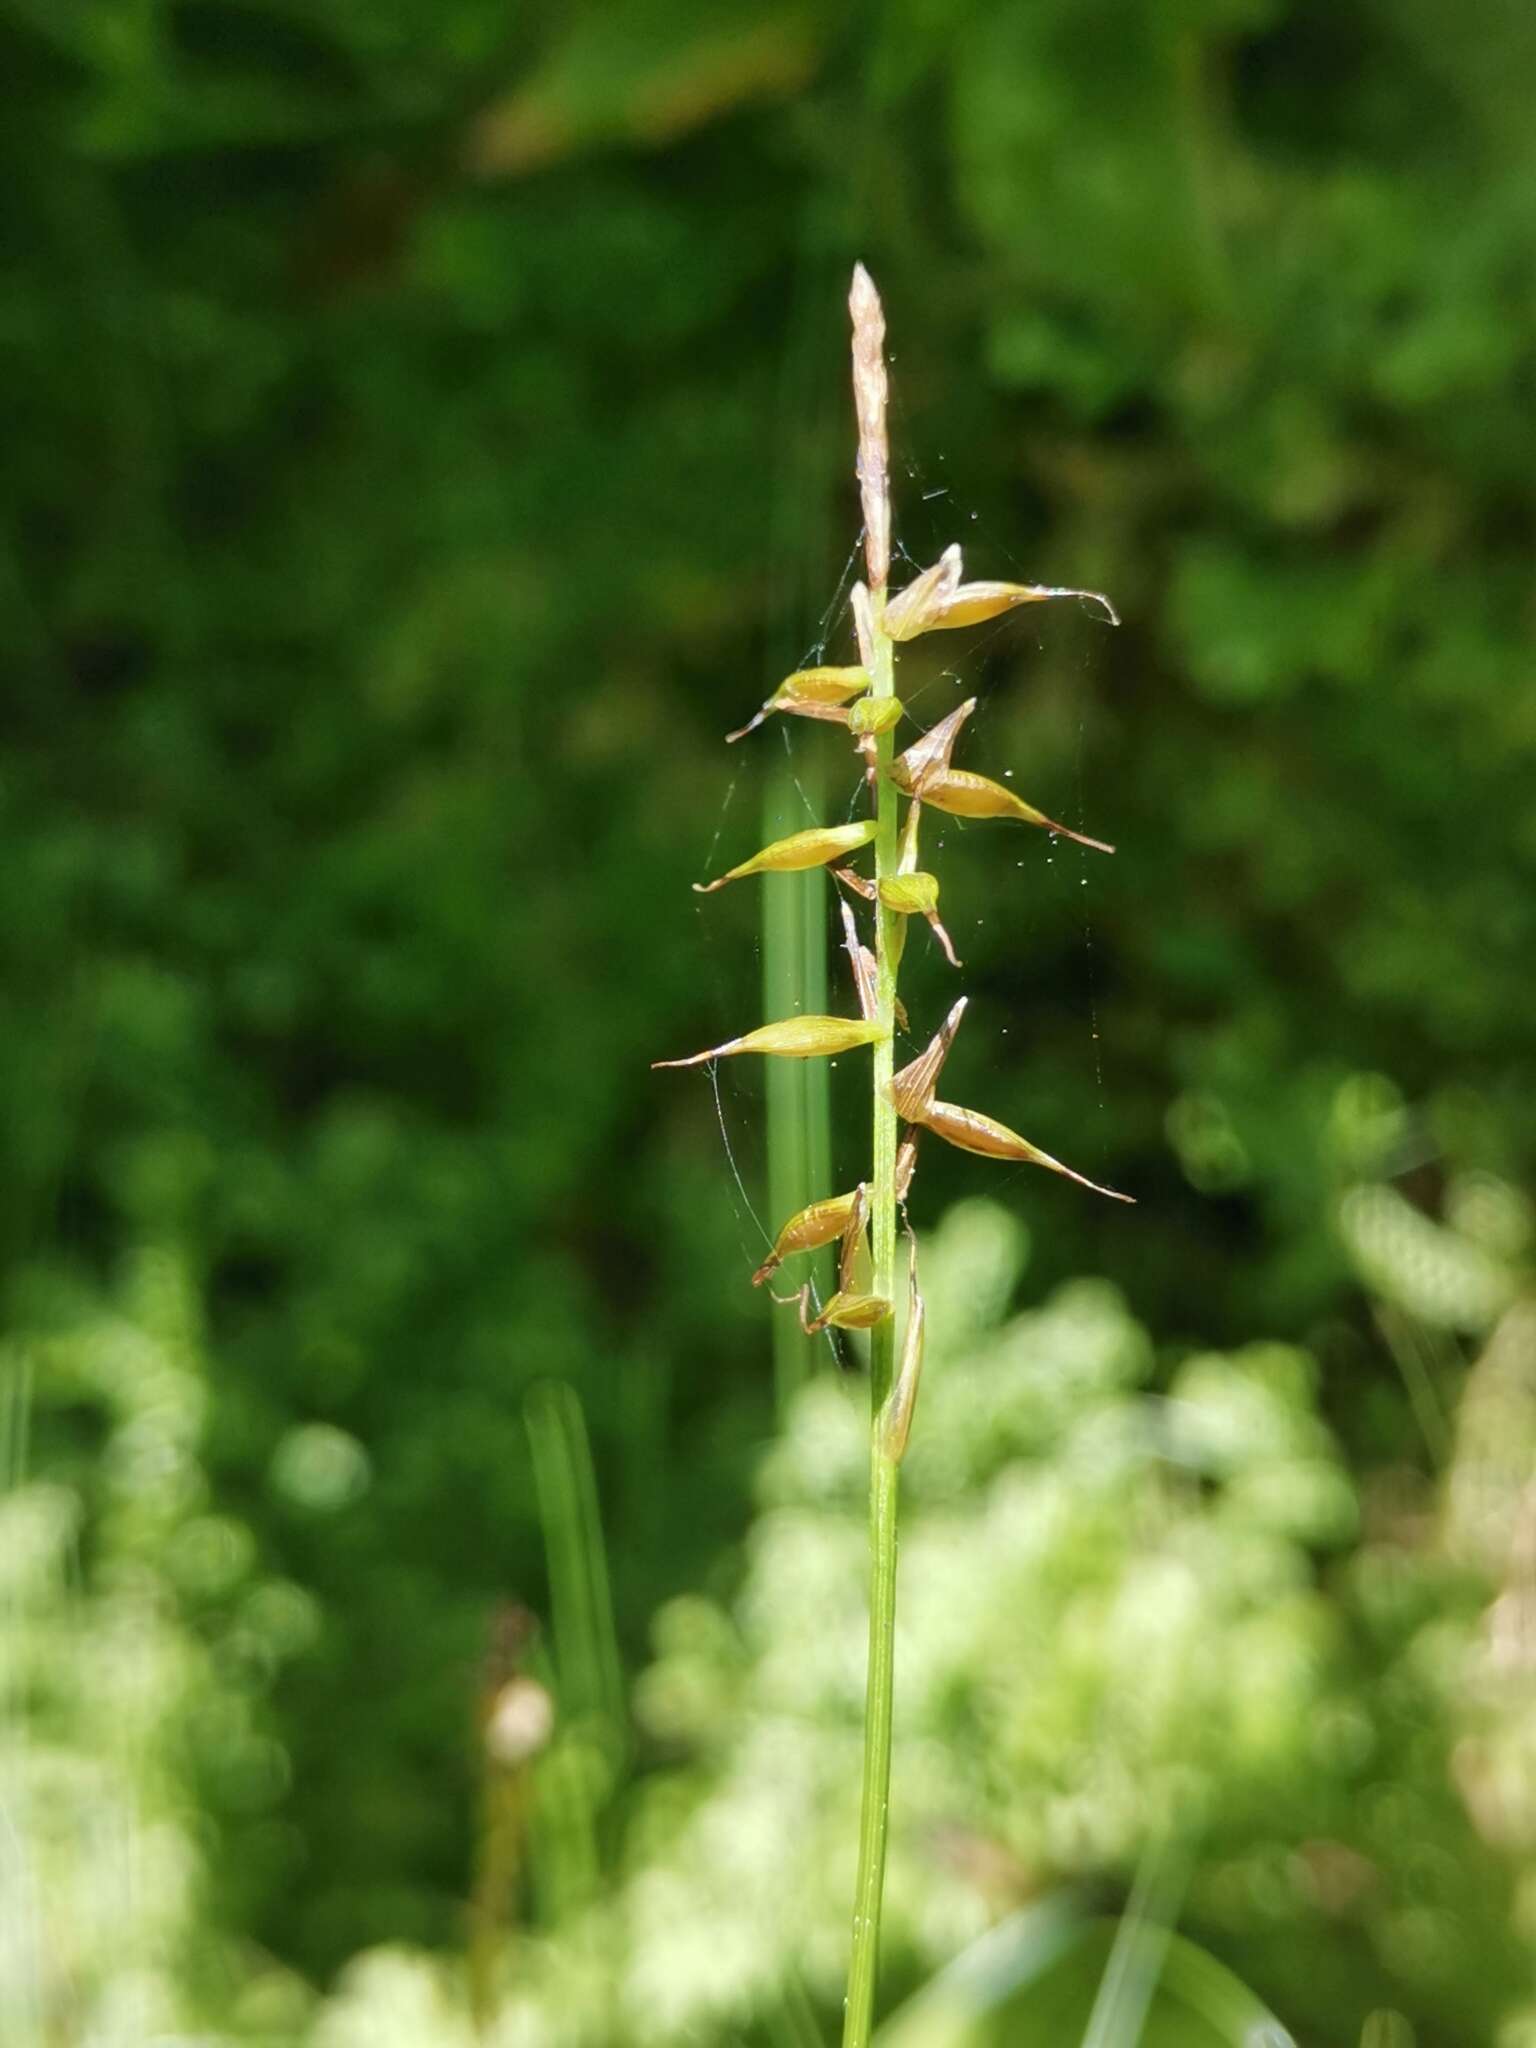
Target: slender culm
point(869, 390)
point(861, 698)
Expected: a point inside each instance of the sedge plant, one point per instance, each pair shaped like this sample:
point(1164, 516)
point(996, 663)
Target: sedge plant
point(864, 1221)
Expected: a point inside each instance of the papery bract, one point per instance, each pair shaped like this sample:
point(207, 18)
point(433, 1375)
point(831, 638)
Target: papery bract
point(896, 1418)
point(912, 1089)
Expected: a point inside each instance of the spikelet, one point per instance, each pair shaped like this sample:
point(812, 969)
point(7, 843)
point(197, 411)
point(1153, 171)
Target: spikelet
point(853, 1306)
point(972, 1132)
point(793, 1038)
point(914, 895)
point(807, 1230)
point(964, 794)
point(972, 604)
point(813, 849)
point(869, 401)
point(871, 716)
point(917, 895)
point(810, 693)
point(850, 1312)
point(937, 601)
point(842, 1312)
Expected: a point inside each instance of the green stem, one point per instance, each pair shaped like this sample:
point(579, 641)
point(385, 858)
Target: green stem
point(795, 979)
point(858, 2015)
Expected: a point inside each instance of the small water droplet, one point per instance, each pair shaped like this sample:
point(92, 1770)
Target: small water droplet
point(1007, 775)
point(975, 515)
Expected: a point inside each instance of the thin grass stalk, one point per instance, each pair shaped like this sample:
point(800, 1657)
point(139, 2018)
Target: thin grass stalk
point(795, 979)
point(862, 699)
point(884, 1469)
point(795, 906)
point(585, 1633)
point(567, 1865)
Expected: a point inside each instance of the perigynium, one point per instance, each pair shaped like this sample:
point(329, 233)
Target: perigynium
point(861, 698)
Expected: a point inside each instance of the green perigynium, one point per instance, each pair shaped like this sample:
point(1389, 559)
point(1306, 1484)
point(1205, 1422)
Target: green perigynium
point(862, 699)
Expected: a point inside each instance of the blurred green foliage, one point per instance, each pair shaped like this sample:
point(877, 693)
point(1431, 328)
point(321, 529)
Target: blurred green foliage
point(425, 435)
point(139, 1638)
point(1142, 1634)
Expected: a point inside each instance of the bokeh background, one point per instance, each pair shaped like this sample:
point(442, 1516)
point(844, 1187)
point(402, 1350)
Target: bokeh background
point(432, 1606)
